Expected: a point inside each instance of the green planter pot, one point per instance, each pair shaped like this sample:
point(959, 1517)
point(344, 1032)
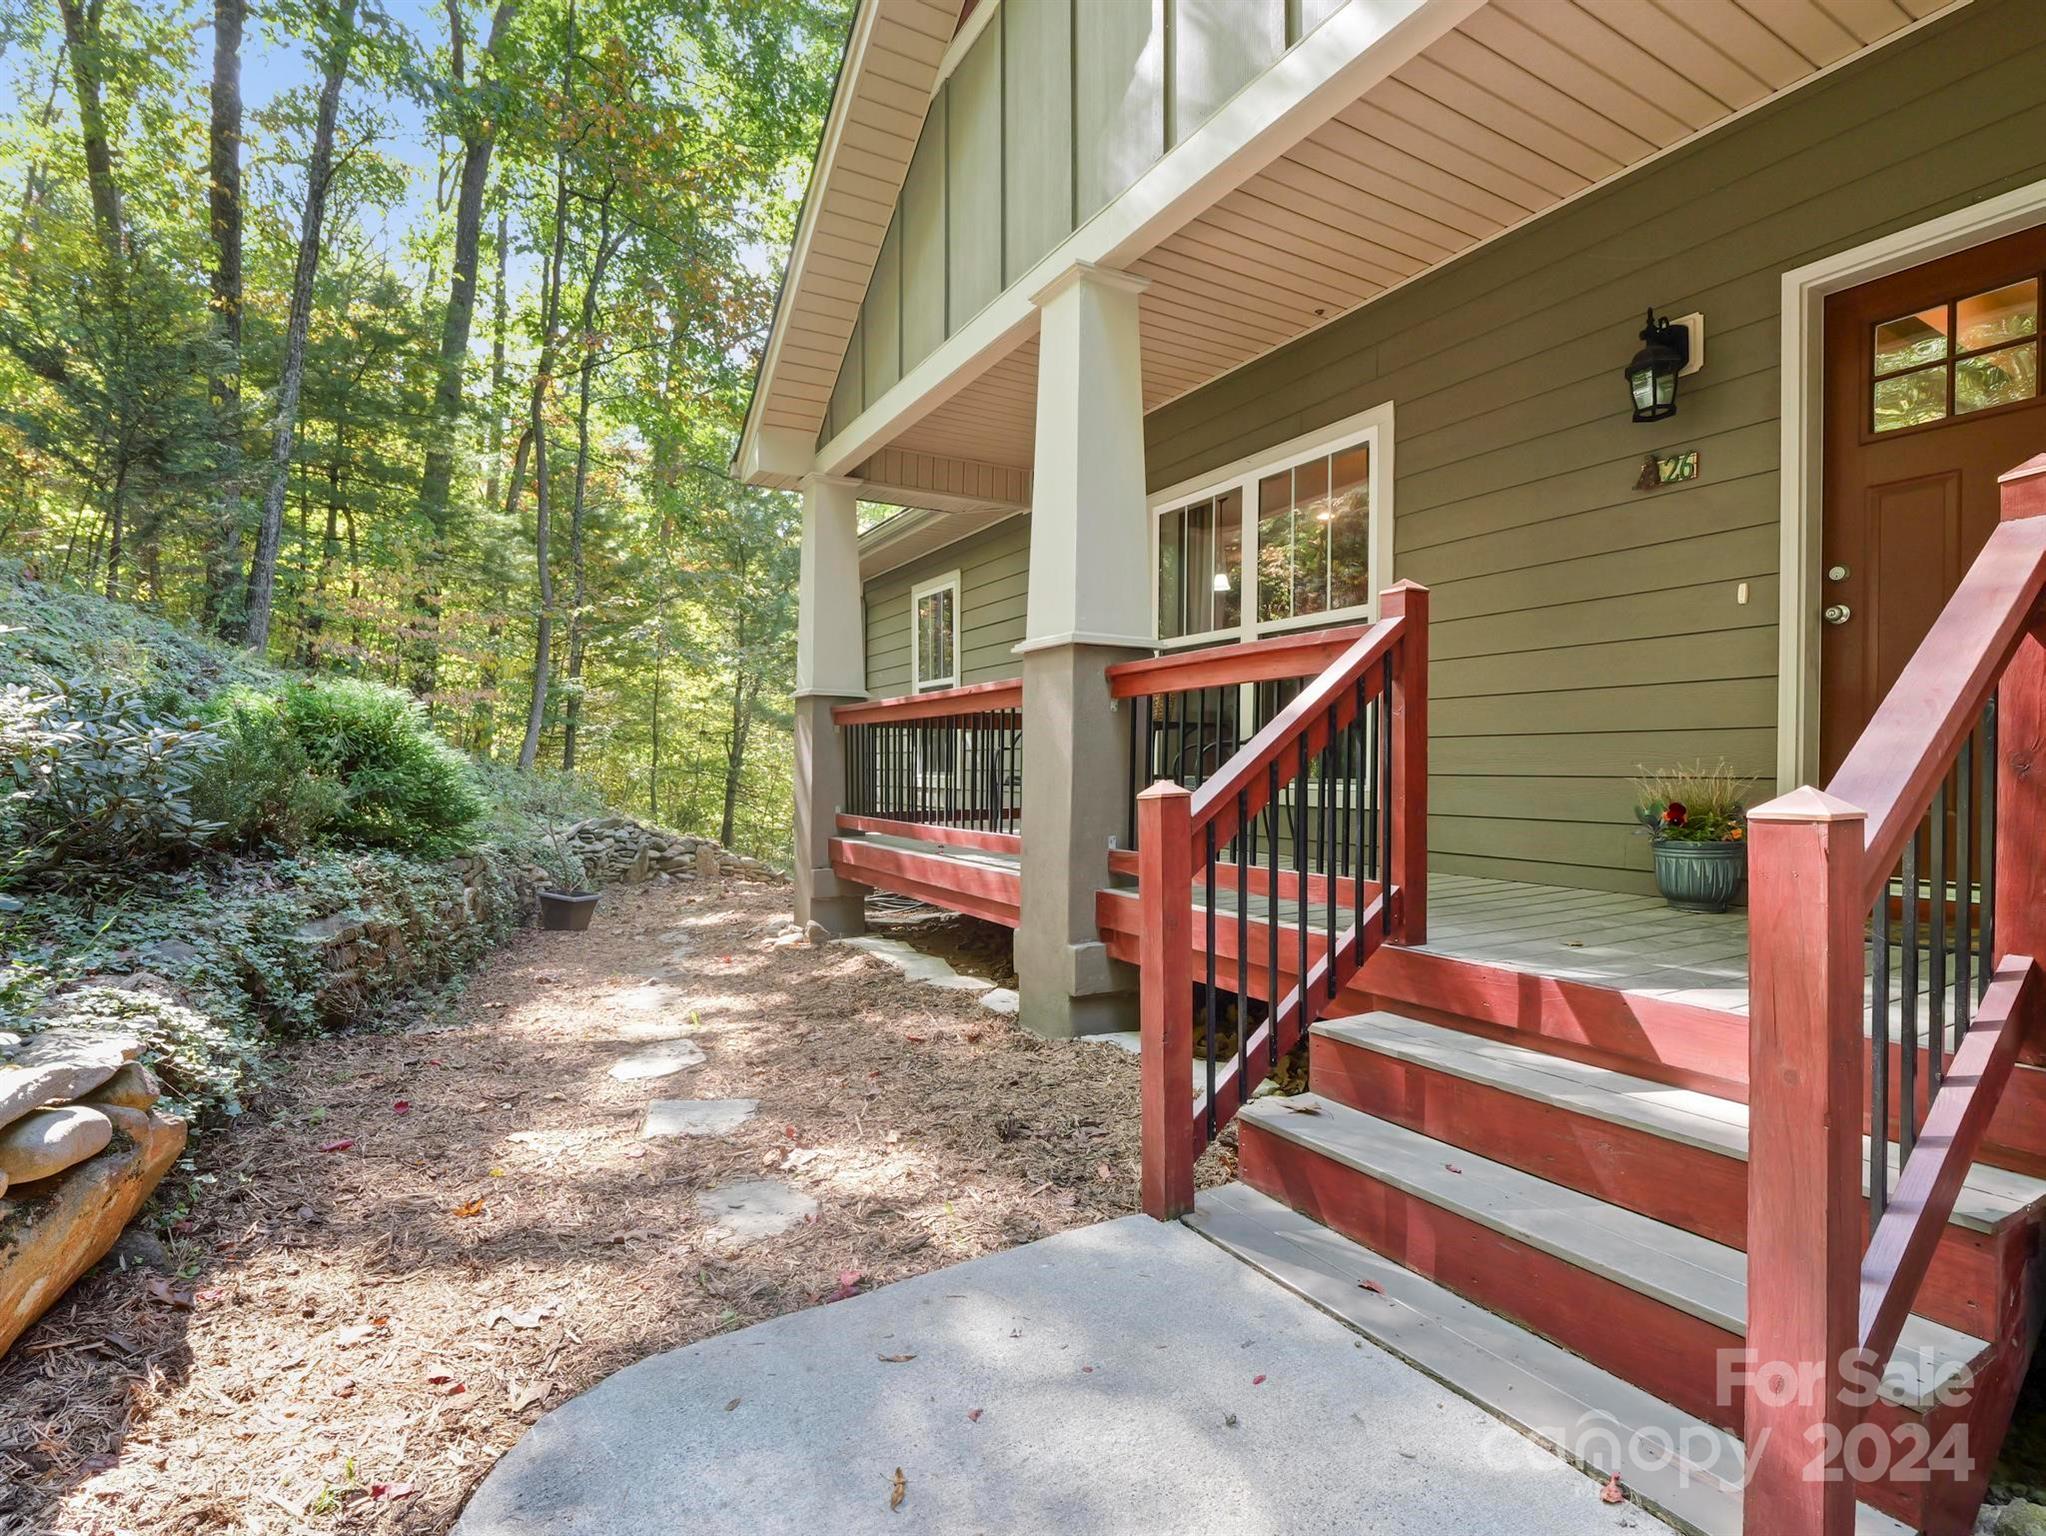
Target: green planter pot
point(1699, 877)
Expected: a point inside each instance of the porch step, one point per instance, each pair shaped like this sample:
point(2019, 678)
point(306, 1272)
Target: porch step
point(1558, 1400)
point(1691, 1276)
point(1989, 1199)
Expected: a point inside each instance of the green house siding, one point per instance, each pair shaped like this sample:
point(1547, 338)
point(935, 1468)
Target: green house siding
point(994, 573)
point(1583, 628)
point(1054, 110)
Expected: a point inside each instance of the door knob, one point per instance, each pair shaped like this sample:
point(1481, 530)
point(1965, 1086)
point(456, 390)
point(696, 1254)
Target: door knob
point(1837, 613)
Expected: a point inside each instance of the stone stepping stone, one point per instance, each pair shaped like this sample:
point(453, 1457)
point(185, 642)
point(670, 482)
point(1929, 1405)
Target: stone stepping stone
point(747, 1210)
point(915, 965)
point(663, 1059)
point(1002, 1000)
point(696, 1117)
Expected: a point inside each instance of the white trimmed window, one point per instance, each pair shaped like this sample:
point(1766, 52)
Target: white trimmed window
point(934, 632)
point(1313, 550)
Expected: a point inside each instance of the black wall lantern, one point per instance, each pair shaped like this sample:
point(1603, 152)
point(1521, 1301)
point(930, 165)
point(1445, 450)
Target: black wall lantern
point(1652, 376)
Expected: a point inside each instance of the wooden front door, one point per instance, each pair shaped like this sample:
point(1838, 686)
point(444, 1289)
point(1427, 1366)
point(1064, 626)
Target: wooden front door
point(1932, 391)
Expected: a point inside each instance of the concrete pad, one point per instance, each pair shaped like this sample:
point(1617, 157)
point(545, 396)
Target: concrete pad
point(1105, 1363)
point(663, 1059)
point(696, 1117)
point(1122, 1039)
point(747, 1210)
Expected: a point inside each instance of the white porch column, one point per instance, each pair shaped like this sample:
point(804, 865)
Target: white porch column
point(831, 668)
point(1089, 606)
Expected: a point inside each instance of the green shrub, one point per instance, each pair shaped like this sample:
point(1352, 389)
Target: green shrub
point(261, 787)
point(397, 784)
point(95, 780)
point(203, 1064)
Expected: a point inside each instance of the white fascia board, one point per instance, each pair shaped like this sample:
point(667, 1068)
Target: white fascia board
point(856, 44)
point(1339, 61)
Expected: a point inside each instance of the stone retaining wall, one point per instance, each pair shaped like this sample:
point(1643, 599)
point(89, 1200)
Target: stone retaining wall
point(619, 848)
point(82, 1144)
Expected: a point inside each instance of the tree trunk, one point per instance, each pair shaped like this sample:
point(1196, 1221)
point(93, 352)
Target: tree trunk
point(653, 767)
point(82, 41)
point(743, 695)
point(498, 312)
point(319, 175)
point(224, 170)
point(438, 470)
point(550, 319)
point(578, 627)
point(115, 509)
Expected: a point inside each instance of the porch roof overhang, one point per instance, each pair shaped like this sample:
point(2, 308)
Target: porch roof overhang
point(1392, 139)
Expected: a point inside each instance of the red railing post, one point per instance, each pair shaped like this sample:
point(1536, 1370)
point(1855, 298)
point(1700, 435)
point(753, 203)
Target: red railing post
point(1408, 600)
point(2021, 762)
point(1804, 1152)
point(1165, 949)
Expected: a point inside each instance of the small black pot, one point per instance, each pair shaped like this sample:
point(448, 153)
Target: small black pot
point(567, 912)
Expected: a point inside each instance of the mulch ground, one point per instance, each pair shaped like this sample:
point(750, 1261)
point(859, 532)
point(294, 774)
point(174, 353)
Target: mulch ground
point(418, 1241)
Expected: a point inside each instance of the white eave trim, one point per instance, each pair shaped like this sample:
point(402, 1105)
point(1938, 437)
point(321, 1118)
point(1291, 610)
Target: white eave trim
point(750, 458)
point(1361, 44)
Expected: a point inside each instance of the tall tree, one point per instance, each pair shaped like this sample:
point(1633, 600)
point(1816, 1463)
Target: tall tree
point(224, 224)
point(477, 120)
point(578, 565)
point(319, 179)
point(84, 40)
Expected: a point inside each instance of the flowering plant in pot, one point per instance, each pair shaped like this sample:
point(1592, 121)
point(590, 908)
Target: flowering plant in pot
point(1698, 819)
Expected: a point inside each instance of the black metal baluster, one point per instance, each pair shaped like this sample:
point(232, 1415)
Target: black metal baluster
point(1242, 953)
point(1936, 984)
point(1328, 871)
point(1989, 767)
point(1964, 887)
point(1907, 1008)
point(1301, 811)
point(1879, 1060)
point(1387, 789)
point(1208, 865)
point(1360, 812)
point(1272, 916)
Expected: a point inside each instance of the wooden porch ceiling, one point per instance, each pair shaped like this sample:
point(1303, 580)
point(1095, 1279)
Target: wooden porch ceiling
point(1523, 106)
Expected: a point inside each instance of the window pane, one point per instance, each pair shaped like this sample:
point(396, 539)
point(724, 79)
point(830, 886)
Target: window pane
point(1171, 568)
point(1350, 528)
point(1990, 318)
point(1910, 398)
point(948, 627)
point(1275, 546)
point(1910, 341)
point(1225, 595)
point(1200, 560)
point(935, 623)
point(1996, 378)
point(1310, 537)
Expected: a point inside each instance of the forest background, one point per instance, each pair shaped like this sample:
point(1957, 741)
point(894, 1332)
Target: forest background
point(411, 344)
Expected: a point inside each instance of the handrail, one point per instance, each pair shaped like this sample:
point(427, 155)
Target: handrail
point(1359, 730)
point(1898, 761)
point(1919, 781)
point(935, 705)
point(1274, 659)
point(1307, 715)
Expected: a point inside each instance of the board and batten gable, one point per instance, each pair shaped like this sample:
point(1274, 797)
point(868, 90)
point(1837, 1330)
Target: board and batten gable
point(1055, 108)
point(1582, 628)
point(994, 575)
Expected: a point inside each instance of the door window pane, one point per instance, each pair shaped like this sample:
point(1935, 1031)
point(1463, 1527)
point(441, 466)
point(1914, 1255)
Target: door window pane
point(1989, 319)
point(1310, 537)
point(1225, 580)
point(1907, 399)
point(1912, 340)
point(1996, 378)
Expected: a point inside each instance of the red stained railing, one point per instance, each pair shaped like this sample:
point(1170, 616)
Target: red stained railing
point(1942, 783)
point(1334, 784)
point(943, 767)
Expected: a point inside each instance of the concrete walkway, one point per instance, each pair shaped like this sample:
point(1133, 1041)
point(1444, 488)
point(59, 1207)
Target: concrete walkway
point(1128, 1377)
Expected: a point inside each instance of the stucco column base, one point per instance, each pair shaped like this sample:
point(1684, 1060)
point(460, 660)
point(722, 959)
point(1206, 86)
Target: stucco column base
point(1076, 745)
point(821, 896)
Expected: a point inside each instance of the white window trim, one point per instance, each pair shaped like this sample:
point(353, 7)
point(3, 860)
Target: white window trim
point(1374, 427)
point(923, 589)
